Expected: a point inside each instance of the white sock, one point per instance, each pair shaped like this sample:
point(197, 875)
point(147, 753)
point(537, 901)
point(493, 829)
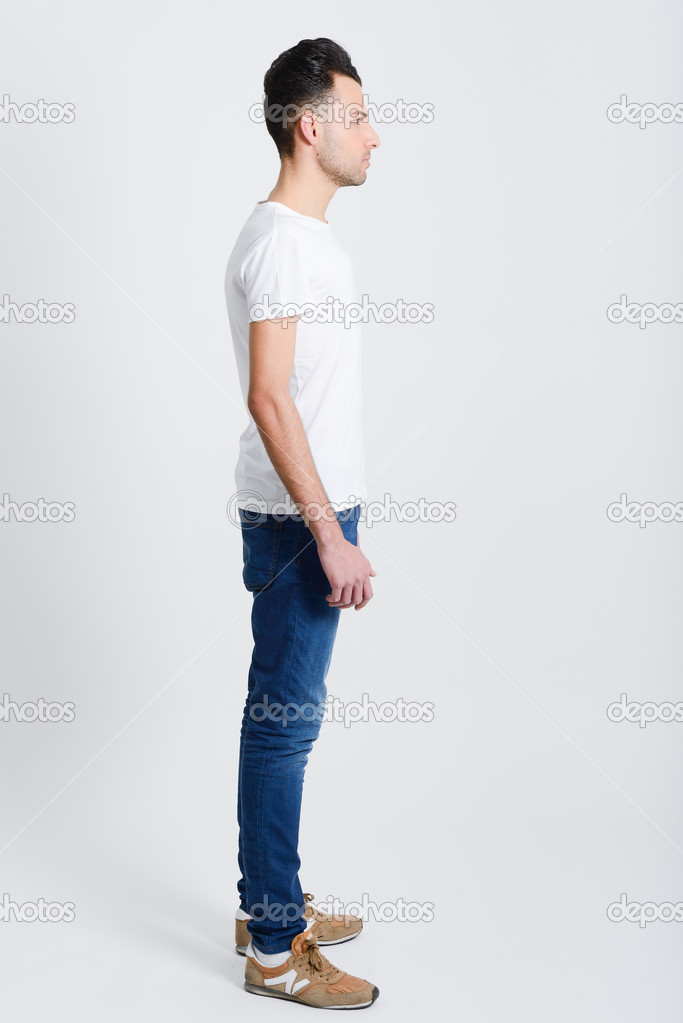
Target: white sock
point(266, 958)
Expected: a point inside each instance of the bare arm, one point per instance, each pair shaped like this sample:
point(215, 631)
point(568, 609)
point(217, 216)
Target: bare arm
point(271, 357)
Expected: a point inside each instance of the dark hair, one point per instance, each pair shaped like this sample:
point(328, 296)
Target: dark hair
point(301, 76)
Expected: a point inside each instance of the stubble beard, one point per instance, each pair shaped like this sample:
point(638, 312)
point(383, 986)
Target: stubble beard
point(332, 162)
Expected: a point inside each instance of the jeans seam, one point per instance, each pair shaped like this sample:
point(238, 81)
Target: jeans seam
point(288, 675)
point(275, 553)
point(262, 858)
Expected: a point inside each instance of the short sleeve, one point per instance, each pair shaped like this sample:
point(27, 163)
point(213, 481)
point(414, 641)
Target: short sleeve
point(276, 277)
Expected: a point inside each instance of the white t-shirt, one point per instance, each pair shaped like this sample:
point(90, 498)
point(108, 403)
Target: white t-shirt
point(284, 258)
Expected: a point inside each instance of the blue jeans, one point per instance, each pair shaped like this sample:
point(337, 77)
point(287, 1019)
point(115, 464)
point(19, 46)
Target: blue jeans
point(294, 629)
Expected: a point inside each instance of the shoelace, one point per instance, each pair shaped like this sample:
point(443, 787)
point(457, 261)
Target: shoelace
point(315, 912)
point(313, 957)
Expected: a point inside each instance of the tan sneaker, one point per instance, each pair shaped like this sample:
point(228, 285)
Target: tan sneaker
point(328, 929)
point(308, 977)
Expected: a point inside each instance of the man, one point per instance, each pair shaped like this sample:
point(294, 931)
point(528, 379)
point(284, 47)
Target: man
point(300, 482)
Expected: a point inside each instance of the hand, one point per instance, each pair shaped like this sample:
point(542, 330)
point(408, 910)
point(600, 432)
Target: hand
point(348, 572)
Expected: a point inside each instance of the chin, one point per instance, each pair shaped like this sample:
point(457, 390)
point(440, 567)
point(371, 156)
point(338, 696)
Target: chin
point(352, 181)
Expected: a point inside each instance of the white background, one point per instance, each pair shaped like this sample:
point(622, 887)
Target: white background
point(521, 212)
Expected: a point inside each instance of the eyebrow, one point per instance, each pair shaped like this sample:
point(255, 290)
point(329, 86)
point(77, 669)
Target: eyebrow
point(360, 112)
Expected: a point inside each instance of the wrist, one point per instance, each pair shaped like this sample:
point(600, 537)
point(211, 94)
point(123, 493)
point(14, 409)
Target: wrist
point(327, 534)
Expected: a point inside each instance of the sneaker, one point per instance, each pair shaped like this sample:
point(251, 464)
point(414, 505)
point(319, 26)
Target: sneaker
point(327, 928)
point(308, 977)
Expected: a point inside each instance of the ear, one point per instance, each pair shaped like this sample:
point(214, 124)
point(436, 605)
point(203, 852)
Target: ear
point(308, 126)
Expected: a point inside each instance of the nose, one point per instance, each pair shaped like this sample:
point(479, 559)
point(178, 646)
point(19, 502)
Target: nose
point(374, 141)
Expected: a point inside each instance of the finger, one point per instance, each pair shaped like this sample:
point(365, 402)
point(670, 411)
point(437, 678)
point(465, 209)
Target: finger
point(367, 595)
point(343, 597)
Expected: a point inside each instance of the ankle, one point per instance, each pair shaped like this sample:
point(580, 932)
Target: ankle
point(270, 959)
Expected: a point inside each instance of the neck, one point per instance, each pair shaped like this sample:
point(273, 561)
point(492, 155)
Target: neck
point(305, 190)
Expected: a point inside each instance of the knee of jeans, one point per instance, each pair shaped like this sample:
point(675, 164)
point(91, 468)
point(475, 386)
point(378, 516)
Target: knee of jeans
point(282, 736)
point(295, 744)
point(296, 719)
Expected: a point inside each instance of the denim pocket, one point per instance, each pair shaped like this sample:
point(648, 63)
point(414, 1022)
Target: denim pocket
point(260, 549)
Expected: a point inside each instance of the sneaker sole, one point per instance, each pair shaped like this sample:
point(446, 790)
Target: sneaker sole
point(242, 949)
point(256, 989)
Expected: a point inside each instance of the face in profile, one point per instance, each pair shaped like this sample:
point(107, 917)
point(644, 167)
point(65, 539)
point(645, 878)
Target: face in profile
point(346, 136)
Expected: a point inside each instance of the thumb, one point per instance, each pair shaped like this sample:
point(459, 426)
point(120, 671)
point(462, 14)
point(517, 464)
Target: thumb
point(372, 571)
